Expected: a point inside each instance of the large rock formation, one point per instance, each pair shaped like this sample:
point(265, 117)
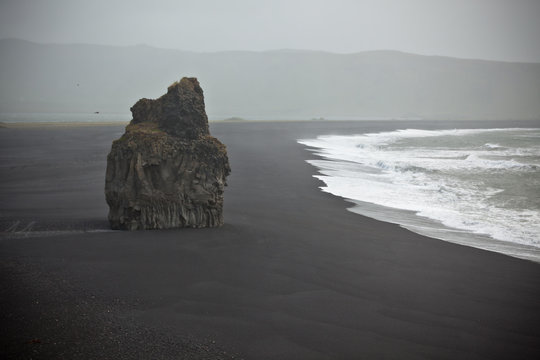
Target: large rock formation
point(166, 171)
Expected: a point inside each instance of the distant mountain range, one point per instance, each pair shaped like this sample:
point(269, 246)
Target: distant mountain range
point(285, 84)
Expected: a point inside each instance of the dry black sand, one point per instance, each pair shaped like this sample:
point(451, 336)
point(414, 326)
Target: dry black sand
point(292, 274)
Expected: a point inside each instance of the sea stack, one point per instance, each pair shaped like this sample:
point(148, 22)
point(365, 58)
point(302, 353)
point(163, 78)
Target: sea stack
point(167, 171)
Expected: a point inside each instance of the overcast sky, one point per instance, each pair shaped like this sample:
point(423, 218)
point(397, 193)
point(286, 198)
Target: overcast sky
point(487, 29)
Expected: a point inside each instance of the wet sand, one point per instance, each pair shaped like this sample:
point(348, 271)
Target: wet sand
point(291, 275)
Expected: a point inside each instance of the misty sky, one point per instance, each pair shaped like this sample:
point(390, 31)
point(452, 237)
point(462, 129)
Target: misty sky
point(488, 29)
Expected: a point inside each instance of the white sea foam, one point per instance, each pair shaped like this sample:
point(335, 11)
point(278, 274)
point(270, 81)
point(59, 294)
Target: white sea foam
point(467, 180)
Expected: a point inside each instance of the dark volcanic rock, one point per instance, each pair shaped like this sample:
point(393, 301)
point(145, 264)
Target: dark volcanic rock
point(166, 171)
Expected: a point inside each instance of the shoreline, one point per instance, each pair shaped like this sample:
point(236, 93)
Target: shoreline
point(333, 161)
point(484, 244)
point(439, 231)
point(29, 124)
point(291, 274)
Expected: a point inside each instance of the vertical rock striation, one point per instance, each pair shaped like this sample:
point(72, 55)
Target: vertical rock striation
point(166, 171)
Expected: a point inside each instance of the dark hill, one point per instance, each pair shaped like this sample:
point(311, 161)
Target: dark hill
point(268, 85)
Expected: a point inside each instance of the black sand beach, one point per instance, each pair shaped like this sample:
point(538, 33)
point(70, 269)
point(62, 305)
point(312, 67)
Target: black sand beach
point(291, 275)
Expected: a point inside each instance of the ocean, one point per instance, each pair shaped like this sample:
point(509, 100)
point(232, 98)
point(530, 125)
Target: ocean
point(475, 187)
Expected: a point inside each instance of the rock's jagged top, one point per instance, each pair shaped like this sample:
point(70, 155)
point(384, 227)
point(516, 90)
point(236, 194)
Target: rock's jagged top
point(180, 112)
point(167, 171)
